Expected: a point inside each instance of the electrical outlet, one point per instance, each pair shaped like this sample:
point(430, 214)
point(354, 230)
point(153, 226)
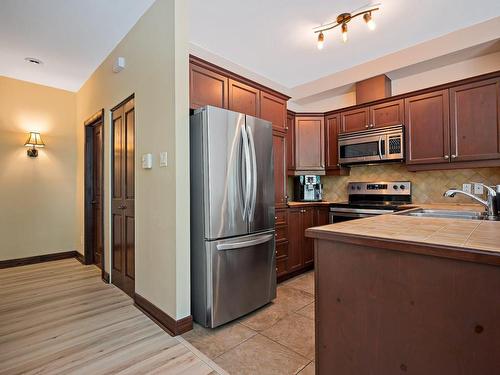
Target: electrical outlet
point(467, 188)
point(478, 189)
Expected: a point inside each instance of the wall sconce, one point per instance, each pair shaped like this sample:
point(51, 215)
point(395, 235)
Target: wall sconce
point(34, 140)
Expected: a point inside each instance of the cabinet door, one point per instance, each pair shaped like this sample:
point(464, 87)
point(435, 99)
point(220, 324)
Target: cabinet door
point(355, 120)
point(321, 216)
point(207, 88)
point(295, 237)
point(309, 143)
point(332, 127)
point(387, 114)
point(307, 243)
point(273, 109)
point(475, 125)
point(290, 142)
point(244, 98)
point(427, 128)
point(279, 151)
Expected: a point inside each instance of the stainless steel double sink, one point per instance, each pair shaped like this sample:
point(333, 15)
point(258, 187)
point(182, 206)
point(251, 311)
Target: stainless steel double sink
point(447, 214)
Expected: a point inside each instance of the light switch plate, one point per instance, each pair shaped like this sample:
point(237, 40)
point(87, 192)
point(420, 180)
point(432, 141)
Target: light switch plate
point(147, 161)
point(467, 188)
point(478, 189)
point(163, 159)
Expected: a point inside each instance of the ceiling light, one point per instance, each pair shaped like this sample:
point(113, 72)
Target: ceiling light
point(369, 21)
point(321, 40)
point(33, 60)
point(343, 19)
point(344, 32)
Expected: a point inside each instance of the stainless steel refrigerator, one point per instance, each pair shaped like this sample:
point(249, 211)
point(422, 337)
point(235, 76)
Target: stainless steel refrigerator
point(233, 263)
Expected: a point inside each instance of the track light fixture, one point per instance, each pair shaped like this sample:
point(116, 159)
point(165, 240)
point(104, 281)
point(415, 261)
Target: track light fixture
point(343, 19)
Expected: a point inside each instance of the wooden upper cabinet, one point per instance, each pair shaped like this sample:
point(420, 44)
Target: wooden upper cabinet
point(207, 87)
point(355, 120)
point(279, 151)
point(332, 129)
point(273, 108)
point(290, 142)
point(427, 128)
point(475, 125)
point(295, 239)
point(309, 143)
point(244, 98)
point(387, 114)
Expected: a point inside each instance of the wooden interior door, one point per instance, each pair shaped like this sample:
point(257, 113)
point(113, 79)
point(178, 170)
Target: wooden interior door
point(123, 198)
point(96, 202)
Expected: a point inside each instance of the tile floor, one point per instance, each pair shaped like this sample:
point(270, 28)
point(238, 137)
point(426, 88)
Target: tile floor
point(276, 339)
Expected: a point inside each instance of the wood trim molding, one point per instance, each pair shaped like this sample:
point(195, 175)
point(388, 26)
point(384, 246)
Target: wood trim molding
point(39, 259)
point(454, 165)
point(208, 65)
point(79, 257)
point(165, 321)
point(105, 277)
point(287, 276)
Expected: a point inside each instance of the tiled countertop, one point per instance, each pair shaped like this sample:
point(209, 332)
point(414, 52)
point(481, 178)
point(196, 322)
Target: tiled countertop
point(474, 240)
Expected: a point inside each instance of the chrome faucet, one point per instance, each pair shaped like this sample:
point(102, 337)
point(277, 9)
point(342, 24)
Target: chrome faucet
point(490, 204)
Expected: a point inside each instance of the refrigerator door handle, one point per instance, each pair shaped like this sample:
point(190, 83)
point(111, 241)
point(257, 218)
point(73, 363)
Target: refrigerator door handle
point(239, 245)
point(253, 199)
point(248, 177)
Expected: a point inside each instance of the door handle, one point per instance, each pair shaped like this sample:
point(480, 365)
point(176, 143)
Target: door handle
point(380, 147)
point(122, 207)
point(253, 174)
point(246, 150)
point(93, 202)
point(239, 245)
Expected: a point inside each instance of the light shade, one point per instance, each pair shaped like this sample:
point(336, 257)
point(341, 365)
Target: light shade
point(34, 140)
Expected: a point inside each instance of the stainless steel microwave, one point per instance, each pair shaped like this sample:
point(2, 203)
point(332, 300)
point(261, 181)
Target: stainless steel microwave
point(371, 146)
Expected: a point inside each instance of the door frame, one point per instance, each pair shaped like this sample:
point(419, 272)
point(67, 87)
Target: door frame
point(94, 120)
point(111, 173)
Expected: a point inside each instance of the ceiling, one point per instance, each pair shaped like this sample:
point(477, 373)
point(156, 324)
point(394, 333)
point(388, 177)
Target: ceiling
point(71, 37)
point(274, 39)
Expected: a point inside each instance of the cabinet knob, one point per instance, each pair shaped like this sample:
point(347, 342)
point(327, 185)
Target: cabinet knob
point(338, 165)
point(276, 218)
point(446, 157)
point(453, 156)
point(367, 126)
point(372, 126)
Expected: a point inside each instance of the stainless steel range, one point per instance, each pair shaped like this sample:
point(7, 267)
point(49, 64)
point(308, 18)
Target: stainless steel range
point(371, 198)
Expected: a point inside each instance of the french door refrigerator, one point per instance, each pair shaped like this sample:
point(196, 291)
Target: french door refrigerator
point(233, 264)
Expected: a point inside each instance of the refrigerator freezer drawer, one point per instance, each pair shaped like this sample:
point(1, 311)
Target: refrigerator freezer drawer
point(242, 276)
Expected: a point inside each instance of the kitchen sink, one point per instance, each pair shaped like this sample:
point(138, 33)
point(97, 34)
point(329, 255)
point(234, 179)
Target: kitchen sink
point(448, 214)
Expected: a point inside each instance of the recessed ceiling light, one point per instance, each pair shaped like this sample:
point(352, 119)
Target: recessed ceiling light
point(33, 60)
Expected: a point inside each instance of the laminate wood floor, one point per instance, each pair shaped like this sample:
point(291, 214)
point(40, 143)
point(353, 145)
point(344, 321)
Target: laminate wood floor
point(60, 318)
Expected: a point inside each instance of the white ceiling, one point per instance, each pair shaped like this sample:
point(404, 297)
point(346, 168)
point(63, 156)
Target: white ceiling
point(71, 37)
point(274, 39)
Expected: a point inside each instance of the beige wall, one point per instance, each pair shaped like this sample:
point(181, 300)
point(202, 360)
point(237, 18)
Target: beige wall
point(156, 69)
point(37, 204)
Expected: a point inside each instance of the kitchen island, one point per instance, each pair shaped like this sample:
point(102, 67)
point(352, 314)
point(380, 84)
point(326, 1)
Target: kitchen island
point(400, 294)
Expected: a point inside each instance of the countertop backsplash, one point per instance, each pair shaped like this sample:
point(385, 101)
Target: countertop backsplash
point(427, 186)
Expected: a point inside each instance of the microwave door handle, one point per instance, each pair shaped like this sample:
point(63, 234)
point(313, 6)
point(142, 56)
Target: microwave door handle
point(380, 147)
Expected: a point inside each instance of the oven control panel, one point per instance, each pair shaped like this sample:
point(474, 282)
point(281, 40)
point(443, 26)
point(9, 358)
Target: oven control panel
point(380, 188)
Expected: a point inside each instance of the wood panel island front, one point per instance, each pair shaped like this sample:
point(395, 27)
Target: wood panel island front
point(399, 294)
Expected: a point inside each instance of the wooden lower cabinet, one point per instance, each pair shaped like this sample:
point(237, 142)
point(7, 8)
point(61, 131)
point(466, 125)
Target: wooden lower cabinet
point(298, 248)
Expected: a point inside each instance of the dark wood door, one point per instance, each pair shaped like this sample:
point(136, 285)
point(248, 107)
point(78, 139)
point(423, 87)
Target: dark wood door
point(321, 216)
point(309, 143)
point(355, 120)
point(273, 109)
point(123, 198)
point(307, 243)
point(290, 142)
point(244, 98)
point(427, 128)
point(295, 236)
point(475, 124)
point(332, 128)
point(279, 150)
point(96, 202)
point(387, 114)
point(207, 87)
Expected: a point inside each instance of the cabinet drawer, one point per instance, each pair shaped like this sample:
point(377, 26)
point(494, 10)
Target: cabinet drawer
point(280, 217)
point(281, 233)
point(281, 266)
point(282, 249)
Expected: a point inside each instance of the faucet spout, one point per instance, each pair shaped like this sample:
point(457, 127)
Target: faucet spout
point(490, 204)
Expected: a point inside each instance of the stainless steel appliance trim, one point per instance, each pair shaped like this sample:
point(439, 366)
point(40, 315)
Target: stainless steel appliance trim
point(248, 176)
point(380, 148)
point(371, 211)
point(363, 188)
point(253, 198)
point(240, 244)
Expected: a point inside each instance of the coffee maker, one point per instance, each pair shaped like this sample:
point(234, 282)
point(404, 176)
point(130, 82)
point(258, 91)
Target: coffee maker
point(308, 188)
